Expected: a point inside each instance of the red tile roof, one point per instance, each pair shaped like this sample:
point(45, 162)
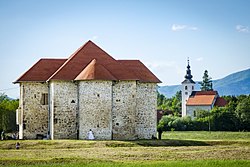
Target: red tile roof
point(95, 71)
point(202, 98)
point(220, 102)
point(89, 62)
point(41, 71)
point(140, 70)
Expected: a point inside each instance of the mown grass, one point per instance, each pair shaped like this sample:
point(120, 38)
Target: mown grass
point(177, 149)
point(205, 135)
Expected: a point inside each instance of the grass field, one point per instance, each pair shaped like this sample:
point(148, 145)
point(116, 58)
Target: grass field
point(178, 149)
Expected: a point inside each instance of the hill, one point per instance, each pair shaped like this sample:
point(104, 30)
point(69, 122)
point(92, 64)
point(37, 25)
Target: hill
point(234, 84)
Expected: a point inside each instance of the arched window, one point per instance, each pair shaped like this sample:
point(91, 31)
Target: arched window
point(186, 87)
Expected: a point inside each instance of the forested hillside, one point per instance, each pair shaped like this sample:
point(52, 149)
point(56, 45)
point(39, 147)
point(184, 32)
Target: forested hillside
point(234, 84)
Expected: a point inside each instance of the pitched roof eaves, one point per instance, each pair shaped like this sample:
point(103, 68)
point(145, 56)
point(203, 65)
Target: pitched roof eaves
point(155, 80)
point(198, 104)
point(28, 82)
point(17, 81)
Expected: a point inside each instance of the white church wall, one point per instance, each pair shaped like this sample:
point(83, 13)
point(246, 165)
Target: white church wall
point(187, 89)
point(191, 109)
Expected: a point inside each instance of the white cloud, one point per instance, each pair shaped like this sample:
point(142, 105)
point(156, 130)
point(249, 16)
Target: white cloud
point(199, 59)
point(176, 27)
point(241, 28)
point(94, 37)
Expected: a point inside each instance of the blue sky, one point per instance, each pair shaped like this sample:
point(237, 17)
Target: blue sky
point(214, 34)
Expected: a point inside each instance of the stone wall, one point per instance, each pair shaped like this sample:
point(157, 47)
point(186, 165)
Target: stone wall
point(146, 117)
point(34, 115)
point(124, 110)
point(63, 99)
point(95, 105)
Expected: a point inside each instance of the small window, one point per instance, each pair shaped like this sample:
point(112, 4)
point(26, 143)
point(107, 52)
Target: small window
point(186, 87)
point(192, 87)
point(44, 100)
point(186, 93)
point(194, 113)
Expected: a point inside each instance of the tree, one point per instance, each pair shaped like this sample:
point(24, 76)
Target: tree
point(243, 112)
point(176, 103)
point(8, 113)
point(206, 84)
point(160, 100)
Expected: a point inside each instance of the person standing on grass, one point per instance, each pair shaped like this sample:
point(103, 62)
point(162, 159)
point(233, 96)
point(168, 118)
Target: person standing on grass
point(17, 145)
point(2, 135)
point(91, 135)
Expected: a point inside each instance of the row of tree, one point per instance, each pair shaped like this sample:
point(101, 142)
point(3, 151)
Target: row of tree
point(172, 104)
point(8, 113)
point(235, 116)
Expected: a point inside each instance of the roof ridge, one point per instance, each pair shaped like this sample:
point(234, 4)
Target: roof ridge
point(72, 55)
point(93, 65)
point(53, 59)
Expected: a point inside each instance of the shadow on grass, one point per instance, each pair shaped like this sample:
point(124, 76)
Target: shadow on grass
point(170, 142)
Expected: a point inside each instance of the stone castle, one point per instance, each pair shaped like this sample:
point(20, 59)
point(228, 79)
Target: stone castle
point(64, 98)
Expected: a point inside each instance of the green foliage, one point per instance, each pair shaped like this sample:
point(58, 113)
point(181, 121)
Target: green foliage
point(243, 111)
point(172, 104)
point(235, 116)
point(8, 113)
point(206, 84)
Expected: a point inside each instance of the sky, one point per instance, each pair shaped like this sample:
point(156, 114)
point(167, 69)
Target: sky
point(163, 34)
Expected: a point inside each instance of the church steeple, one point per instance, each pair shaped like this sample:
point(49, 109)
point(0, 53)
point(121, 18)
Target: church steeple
point(187, 89)
point(188, 75)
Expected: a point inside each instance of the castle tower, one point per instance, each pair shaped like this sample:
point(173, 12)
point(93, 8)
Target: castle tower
point(187, 88)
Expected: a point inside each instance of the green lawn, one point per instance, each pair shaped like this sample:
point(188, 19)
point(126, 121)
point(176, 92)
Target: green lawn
point(205, 135)
point(177, 149)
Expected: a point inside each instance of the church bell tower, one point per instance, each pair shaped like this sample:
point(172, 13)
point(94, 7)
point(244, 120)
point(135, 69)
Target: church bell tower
point(187, 88)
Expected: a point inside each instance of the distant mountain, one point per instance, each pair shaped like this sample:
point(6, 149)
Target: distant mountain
point(234, 84)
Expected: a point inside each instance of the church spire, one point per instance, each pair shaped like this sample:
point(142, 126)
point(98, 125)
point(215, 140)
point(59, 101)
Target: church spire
point(188, 75)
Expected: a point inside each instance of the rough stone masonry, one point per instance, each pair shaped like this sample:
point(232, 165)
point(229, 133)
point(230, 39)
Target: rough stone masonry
point(64, 98)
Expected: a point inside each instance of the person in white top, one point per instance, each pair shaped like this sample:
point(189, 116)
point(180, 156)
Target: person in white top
point(91, 135)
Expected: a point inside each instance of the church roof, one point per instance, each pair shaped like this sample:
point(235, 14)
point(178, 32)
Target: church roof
point(202, 98)
point(188, 81)
point(220, 102)
point(188, 77)
point(89, 62)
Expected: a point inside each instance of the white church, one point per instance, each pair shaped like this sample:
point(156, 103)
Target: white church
point(197, 100)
